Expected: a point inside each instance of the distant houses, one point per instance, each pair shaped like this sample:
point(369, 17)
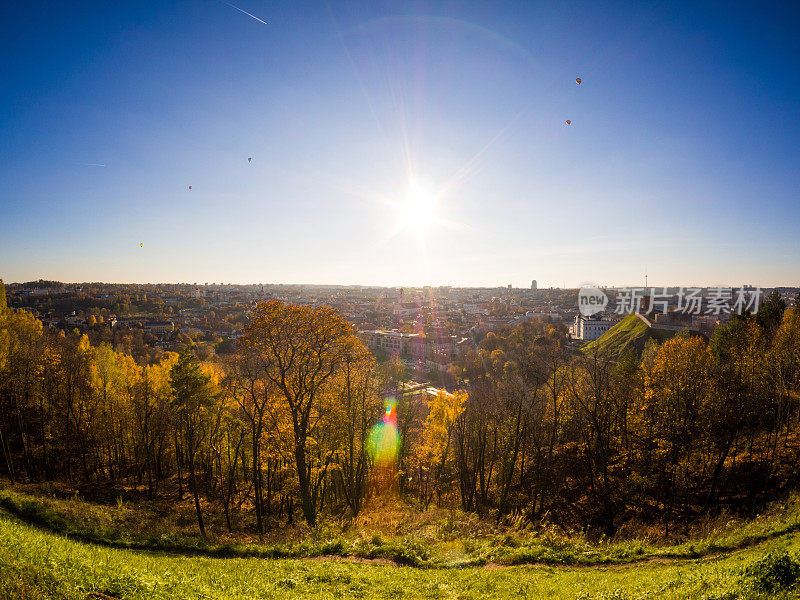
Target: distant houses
point(438, 352)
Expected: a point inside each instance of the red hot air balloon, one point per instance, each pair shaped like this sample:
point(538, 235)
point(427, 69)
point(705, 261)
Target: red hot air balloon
point(569, 122)
point(578, 81)
point(190, 187)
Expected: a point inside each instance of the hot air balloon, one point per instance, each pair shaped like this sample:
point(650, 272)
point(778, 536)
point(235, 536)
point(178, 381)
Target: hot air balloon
point(578, 81)
point(190, 187)
point(141, 245)
point(250, 159)
point(569, 122)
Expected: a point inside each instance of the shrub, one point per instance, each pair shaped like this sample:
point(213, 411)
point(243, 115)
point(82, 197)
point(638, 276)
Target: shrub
point(406, 551)
point(774, 572)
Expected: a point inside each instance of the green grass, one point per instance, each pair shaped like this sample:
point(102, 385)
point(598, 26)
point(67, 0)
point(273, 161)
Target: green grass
point(631, 333)
point(392, 531)
point(36, 564)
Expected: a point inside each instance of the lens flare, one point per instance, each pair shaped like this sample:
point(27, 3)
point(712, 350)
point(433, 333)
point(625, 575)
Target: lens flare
point(384, 441)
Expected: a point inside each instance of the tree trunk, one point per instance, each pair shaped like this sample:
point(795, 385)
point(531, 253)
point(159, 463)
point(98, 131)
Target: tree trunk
point(193, 483)
point(257, 482)
point(309, 506)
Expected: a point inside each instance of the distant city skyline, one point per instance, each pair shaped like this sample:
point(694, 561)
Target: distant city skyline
point(648, 287)
point(400, 144)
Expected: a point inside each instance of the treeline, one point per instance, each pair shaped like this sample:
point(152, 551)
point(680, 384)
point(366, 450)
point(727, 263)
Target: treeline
point(282, 427)
point(584, 440)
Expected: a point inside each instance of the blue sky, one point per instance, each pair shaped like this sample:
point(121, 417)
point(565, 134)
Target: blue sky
point(682, 157)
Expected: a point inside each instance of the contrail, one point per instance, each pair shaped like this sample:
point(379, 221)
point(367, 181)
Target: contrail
point(247, 13)
point(93, 165)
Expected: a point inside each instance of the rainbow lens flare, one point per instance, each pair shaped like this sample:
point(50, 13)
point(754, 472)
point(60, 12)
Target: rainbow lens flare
point(384, 442)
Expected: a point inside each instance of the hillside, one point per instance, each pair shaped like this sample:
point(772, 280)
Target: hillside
point(36, 563)
point(631, 333)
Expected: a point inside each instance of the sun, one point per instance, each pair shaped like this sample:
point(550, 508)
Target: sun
point(418, 207)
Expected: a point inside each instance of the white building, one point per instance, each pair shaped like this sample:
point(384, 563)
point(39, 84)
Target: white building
point(588, 329)
point(391, 342)
point(415, 346)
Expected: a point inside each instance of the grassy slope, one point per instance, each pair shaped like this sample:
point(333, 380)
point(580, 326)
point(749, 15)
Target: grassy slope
point(393, 531)
point(39, 565)
point(630, 333)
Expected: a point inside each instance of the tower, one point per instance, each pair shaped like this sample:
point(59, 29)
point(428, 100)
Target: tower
point(533, 285)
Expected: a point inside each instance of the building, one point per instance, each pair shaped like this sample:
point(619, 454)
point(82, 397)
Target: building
point(393, 343)
point(588, 329)
point(533, 285)
point(441, 349)
point(159, 327)
point(73, 319)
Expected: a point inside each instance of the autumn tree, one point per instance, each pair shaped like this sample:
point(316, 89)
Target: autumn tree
point(302, 349)
point(676, 390)
point(770, 313)
point(20, 364)
point(192, 397)
point(359, 405)
point(254, 395)
point(431, 459)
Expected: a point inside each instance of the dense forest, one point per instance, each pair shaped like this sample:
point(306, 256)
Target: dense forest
point(283, 428)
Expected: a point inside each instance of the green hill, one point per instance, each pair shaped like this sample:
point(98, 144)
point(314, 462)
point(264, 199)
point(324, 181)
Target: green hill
point(631, 333)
